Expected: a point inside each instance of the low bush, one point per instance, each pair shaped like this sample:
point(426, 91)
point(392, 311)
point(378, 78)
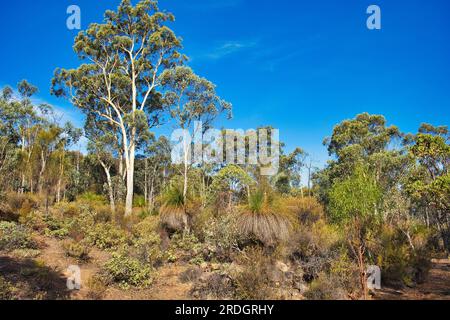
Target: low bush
point(185, 248)
point(14, 236)
point(220, 235)
point(254, 280)
point(6, 290)
point(403, 261)
point(191, 274)
point(128, 271)
point(106, 236)
point(147, 242)
point(76, 250)
point(215, 286)
point(326, 287)
point(97, 287)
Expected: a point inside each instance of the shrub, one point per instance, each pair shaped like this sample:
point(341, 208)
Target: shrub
point(326, 287)
point(106, 236)
point(67, 210)
point(26, 253)
point(6, 290)
point(91, 198)
point(97, 287)
point(308, 210)
point(191, 274)
point(76, 250)
point(254, 281)
point(220, 234)
point(403, 261)
point(14, 236)
point(185, 247)
point(55, 227)
point(139, 201)
point(128, 271)
point(147, 243)
point(215, 286)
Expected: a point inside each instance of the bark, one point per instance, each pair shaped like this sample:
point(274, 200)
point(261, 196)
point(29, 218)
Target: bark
point(107, 170)
point(130, 181)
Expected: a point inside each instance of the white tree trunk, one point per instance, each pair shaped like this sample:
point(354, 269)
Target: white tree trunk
point(130, 181)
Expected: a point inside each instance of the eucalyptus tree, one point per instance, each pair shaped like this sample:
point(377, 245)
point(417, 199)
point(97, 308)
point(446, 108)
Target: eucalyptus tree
point(429, 181)
point(69, 137)
point(102, 146)
point(119, 78)
point(189, 99)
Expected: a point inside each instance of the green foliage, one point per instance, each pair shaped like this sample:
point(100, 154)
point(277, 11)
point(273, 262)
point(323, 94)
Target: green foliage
point(147, 243)
point(91, 198)
point(356, 196)
point(127, 271)
point(14, 236)
point(6, 290)
point(185, 247)
point(55, 227)
point(76, 250)
point(106, 236)
point(139, 202)
point(403, 260)
point(220, 234)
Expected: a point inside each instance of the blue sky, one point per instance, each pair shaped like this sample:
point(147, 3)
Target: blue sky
point(300, 66)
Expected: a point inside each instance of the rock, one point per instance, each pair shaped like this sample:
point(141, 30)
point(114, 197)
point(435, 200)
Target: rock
point(215, 267)
point(282, 266)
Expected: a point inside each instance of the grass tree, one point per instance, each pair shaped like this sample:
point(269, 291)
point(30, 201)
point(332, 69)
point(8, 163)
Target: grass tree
point(119, 78)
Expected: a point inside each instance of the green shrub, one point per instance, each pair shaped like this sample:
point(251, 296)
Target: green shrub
point(147, 241)
point(55, 227)
point(76, 250)
point(220, 234)
point(92, 198)
point(106, 236)
point(139, 201)
point(185, 247)
point(128, 271)
point(14, 236)
point(66, 209)
point(6, 290)
point(403, 261)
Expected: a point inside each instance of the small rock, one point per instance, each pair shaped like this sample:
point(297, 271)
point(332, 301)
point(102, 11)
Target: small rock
point(282, 266)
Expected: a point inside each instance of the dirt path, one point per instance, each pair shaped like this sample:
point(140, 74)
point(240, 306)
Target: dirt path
point(46, 276)
point(436, 287)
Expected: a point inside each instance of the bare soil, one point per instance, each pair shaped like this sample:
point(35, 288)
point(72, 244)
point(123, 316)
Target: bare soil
point(45, 277)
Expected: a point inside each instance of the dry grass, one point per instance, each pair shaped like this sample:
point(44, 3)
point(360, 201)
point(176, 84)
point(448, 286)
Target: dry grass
point(266, 218)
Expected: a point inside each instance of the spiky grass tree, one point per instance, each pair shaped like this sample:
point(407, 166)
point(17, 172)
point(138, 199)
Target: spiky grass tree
point(174, 209)
point(265, 218)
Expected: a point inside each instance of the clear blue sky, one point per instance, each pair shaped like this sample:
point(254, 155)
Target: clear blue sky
point(300, 66)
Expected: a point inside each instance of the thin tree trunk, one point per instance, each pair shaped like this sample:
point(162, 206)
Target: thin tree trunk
point(112, 202)
point(130, 181)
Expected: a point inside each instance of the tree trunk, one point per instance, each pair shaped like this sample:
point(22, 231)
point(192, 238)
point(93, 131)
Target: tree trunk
point(41, 173)
point(186, 168)
point(146, 182)
point(130, 181)
point(112, 202)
